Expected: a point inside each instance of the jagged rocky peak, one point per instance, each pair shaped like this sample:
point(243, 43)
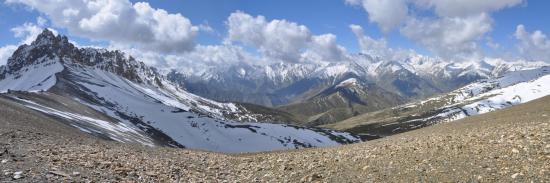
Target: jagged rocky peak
point(48, 38)
point(48, 47)
point(57, 44)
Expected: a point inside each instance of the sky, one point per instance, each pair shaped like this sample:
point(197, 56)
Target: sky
point(173, 33)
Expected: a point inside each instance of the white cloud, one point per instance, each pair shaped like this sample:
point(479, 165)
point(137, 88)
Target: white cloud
point(198, 60)
point(449, 37)
point(535, 45)
point(206, 28)
point(454, 31)
point(465, 8)
point(28, 32)
point(6, 52)
point(378, 47)
point(368, 44)
point(138, 25)
point(353, 2)
point(281, 39)
point(218, 54)
point(277, 39)
point(41, 21)
point(388, 14)
point(324, 48)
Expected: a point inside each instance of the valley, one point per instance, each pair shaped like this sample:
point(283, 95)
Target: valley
point(509, 145)
point(480, 97)
point(311, 91)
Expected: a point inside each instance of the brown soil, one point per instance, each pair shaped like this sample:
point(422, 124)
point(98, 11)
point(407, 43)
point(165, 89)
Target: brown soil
point(511, 145)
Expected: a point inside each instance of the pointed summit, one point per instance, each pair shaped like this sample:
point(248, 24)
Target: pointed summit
point(45, 37)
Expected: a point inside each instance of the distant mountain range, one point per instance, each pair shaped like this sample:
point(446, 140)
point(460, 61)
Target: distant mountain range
point(480, 97)
point(310, 87)
point(111, 95)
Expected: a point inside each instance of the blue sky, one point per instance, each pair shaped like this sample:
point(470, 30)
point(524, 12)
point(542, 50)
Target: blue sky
point(320, 17)
point(327, 16)
point(533, 15)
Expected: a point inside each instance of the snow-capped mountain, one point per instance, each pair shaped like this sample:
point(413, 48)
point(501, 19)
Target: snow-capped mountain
point(414, 77)
point(111, 95)
point(512, 88)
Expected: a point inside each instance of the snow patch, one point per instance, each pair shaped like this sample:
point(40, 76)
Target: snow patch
point(33, 78)
point(347, 83)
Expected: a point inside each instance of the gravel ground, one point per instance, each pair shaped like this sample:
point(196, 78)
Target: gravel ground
point(512, 145)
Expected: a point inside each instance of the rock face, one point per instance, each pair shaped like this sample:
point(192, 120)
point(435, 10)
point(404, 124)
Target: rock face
point(113, 96)
point(47, 46)
point(349, 98)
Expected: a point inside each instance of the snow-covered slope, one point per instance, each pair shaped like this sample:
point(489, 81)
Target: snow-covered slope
point(493, 94)
point(36, 77)
point(480, 97)
point(122, 99)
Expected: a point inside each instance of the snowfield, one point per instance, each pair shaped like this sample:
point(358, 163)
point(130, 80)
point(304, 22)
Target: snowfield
point(208, 130)
point(120, 132)
point(33, 78)
point(488, 95)
point(140, 105)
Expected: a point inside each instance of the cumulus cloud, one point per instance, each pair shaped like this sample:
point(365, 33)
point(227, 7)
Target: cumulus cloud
point(465, 8)
point(196, 61)
point(324, 48)
point(368, 44)
point(6, 52)
point(275, 40)
point(388, 14)
point(278, 38)
point(281, 39)
point(378, 47)
point(41, 21)
point(533, 45)
point(138, 25)
point(449, 37)
point(27, 32)
point(455, 30)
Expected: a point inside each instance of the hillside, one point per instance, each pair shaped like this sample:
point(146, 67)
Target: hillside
point(350, 97)
point(111, 95)
point(510, 145)
point(476, 98)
